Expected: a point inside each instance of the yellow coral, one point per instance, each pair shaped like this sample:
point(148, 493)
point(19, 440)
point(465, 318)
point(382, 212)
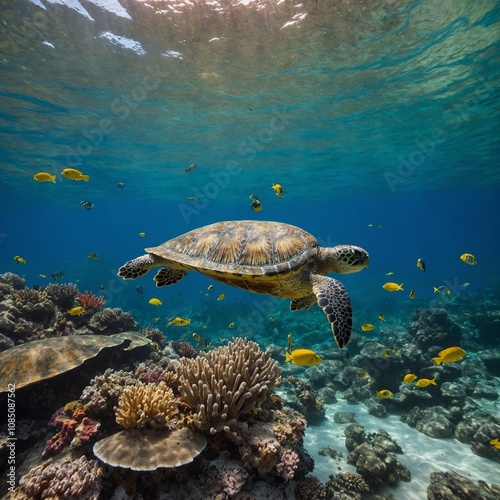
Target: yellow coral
point(146, 405)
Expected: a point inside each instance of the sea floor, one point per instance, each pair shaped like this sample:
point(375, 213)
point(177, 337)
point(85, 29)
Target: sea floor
point(422, 454)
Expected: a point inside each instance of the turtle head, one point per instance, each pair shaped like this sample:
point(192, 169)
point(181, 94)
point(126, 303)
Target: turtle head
point(343, 259)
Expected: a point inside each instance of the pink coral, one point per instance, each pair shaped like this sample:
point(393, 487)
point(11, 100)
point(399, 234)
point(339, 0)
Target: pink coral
point(59, 440)
point(289, 461)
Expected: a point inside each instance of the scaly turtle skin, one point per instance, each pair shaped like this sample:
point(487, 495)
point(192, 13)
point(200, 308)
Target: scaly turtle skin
point(262, 257)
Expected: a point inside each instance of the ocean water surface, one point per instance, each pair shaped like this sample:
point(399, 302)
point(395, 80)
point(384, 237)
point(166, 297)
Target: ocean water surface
point(379, 120)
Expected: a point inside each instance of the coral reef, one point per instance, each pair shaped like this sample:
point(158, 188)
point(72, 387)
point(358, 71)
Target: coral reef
point(34, 305)
point(223, 477)
point(146, 405)
point(375, 456)
point(155, 335)
point(431, 327)
point(348, 485)
point(310, 488)
point(65, 479)
point(435, 422)
point(110, 321)
point(223, 384)
point(12, 281)
point(102, 394)
point(308, 402)
point(184, 349)
point(62, 295)
point(453, 486)
point(90, 301)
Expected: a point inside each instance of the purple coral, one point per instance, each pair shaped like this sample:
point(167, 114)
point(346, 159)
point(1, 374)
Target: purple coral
point(289, 461)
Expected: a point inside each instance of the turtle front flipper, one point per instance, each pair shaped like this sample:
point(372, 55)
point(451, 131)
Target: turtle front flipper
point(136, 268)
point(302, 303)
point(166, 277)
point(334, 300)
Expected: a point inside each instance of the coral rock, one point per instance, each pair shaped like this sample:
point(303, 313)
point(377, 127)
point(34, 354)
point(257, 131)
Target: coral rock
point(453, 486)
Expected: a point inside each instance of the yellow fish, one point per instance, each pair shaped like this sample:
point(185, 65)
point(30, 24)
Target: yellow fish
point(424, 382)
point(468, 258)
point(74, 175)
point(389, 353)
point(142, 235)
point(222, 296)
point(76, 311)
point(390, 273)
point(421, 264)
point(362, 373)
point(156, 320)
point(278, 189)
point(442, 290)
point(19, 259)
point(385, 394)
point(196, 336)
point(409, 378)
point(42, 275)
point(256, 205)
point(367, 327)
point(496, 443)
point(381, 317)
point(303, 357)
point(231, 325)
point(449, 355)
point(44, 177)
point(412, 294)
point(272, 319)
point(392, 287)
point(191, 167)
point(155, 302)
point(178, 321)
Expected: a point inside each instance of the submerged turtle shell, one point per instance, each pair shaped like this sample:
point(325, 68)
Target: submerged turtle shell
point(242, 248)
point(39, 360)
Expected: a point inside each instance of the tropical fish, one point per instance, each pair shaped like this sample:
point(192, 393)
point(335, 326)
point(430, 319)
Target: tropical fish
point(101, 287)
point(390, 273)
point(57, 275)
point(19, 259)
point(303, 357)
point(421, 264)
point(120, 185)
point(155, 302)
point(409, 378)
point(190, 168)
point(210, 287)
point(142, 234)
point(496, 443)
point(44, 177)
point(156, 320)
point(272, 319)
point(381, 317)
point(93, 256)
point(367, 327)
point(74, 175)
point(231, 325)
point(192, 199)
point(278, 189)
point(468, 258)
point(139, 290)
point(385, 394)
point(222, 296)
point(202, 342)
point(465, 285)
point(362, 373)
point(86, 204)
point(424, 382)
point(76, 311)
point(449, 355)
point(392, 287)
point(289, 349)
point(256, 205)
point(389, 353)
point(42, 275)
point(442, 290)
point(178, 321)
point(412, 294)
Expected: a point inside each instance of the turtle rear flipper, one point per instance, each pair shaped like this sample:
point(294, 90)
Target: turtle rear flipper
point(166, 276)
point(136, 268)
point(302, 303)
point(334, 300)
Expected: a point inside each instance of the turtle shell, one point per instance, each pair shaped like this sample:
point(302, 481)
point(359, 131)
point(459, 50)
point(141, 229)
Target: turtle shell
point(244, 250)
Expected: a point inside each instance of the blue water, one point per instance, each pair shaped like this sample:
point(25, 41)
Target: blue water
point(386, 117)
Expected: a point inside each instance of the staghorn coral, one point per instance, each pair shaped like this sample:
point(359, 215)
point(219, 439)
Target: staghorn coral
point(62, 294)
point(146, 405)
point(225, 383)
point(89, 300)
point(64, 480)
point(110, 321)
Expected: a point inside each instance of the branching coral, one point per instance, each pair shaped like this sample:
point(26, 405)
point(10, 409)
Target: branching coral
point(110, 321)
point(227, 382)
point(62, 294)
point(146, 405)
point(89, 300)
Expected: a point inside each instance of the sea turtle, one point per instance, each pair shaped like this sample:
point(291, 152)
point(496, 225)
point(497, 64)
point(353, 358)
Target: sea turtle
point(263, 257)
